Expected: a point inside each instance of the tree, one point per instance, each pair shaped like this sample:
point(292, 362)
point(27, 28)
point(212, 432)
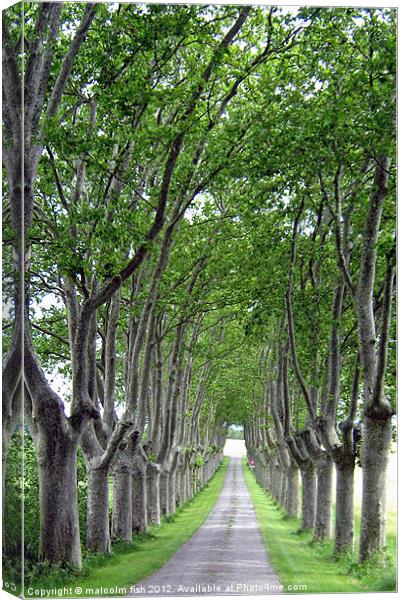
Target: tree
point(208, 239)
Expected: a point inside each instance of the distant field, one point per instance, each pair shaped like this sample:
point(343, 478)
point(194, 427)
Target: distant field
point(234, 448)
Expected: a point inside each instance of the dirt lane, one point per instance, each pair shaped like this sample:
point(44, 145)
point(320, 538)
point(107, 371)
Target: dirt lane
point(225, 556)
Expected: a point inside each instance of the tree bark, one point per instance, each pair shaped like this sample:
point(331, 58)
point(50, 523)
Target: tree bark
point(324, 471)
point(122, 501)
point(344, 530)
point(139, 494)
point(374, 458)
point(377, 409)
point(308, 478)
point(172, 492)
point(164, 493)
point(56, 439)
point(153, 494)
point(291, 503)
point(181, 479)
point(98, 461)
point(98, 537)
point(323, 463)
point(343, 454)
point(59, 540)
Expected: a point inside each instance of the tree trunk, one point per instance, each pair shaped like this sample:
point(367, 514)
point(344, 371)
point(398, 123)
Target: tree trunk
point(344, 533)
point(163, 488)
point(324, 471)
point(153, 494)
point(195, 481)
point(4, 453)
point(98, 461)
point(374, 359)
point(11, 399)
point(374, 458)
point(275, 482)
point(98, 537)
point(122, 503)
point(308, 477)
point(139, 497)
point(172, 492)
point(344, 458)
point(181, 485)
point(188, 484)
point(59, 540)
point(291, 506)
point(283, 491)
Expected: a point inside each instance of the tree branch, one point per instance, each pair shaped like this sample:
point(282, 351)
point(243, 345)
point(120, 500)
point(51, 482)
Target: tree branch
point(68, 61)
point(290, 319)
point(116, 438)
point(382, 355)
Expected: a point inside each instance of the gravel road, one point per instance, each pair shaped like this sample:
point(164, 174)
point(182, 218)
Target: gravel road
point(225, 556)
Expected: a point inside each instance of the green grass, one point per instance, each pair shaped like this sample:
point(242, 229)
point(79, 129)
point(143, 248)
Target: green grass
point(295, 560)
point(131, 563)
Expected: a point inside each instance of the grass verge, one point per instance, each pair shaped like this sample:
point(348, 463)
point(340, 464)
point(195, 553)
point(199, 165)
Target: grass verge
point(305, 567)
point(131, 563)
